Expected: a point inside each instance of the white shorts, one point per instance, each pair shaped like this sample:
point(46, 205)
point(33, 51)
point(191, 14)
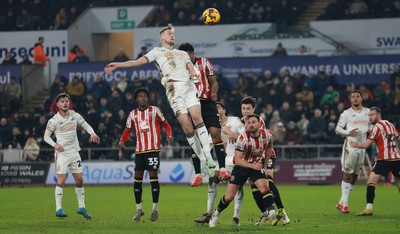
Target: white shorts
point(352, 160)
point(181, 96)
point(72, 161)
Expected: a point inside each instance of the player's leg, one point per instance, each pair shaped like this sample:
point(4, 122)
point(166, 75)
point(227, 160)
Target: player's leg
point(240, 176)
point(261, 182)
point(349, 163)
point(153, 165)
point(76, 169)
point(198, 179)
point(140, 166)
point(61, 170)
point(211, 196)
point(380, 168)
point(238, 205)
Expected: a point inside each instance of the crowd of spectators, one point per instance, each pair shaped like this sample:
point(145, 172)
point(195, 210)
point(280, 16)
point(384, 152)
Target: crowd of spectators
point(298, 109)
point(360, 9)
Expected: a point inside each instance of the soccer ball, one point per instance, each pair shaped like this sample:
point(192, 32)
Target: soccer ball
point(211, 16)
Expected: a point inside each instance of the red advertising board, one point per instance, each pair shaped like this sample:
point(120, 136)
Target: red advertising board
point(308, 171)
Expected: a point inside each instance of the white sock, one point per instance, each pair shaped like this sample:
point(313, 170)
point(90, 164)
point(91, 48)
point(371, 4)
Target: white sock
point(344, 200)
point(205, 142)
point(59, 196)
point(196, 146)
point(139, 206)
point(212, 195)
point(370, 206)
point(238, 202)
point(80, 194)
point(155, 206)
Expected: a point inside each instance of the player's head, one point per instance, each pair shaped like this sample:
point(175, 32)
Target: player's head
point(356, 98)
point(167, 35)
point(188, 48)
point(248, 106)
point(62, 101)
point(141, 96)
point(221, 108)
point(374, 114)
point(253, 123)
point(41, 40)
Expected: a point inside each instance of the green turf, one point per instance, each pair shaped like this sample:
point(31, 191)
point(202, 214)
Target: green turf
point(310, 208)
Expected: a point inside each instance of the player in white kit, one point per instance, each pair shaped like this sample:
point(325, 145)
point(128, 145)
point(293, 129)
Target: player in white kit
point(232, 127)
point(178, 73)
point(352, 124)
point(64, 124)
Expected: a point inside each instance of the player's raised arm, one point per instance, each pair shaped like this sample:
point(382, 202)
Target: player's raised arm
point(131, 63)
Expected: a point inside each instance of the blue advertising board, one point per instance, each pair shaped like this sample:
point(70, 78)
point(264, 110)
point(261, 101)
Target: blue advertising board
point(7, 71)
point(344, 69)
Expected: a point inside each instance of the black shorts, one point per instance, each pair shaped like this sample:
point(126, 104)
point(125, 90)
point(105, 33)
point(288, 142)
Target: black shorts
point(241, 174)
point(382, 167)
point(209, 113)
point(147, 161)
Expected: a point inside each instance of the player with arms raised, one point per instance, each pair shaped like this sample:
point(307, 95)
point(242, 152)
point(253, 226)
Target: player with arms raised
point(63, 125)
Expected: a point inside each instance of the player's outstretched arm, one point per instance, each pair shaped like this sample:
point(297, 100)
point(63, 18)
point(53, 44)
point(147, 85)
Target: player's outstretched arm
point(363, 145)
point(131, 63)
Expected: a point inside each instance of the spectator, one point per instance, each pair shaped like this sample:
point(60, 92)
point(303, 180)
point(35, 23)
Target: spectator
point(115, 102)
point(5, 102)
point(333, 11)
point(285, 112)
point(100, 88)
point(298, 112)
point(316, 128)
point(31, 150)
point(306, 96)
point(367, 96)
point(26, 121)
point(39, 129)
point(5, 132)
point(256, 13)
point(387, 100)
point(61, 19)
point(24, 20)
point(121, 56)
point(73, 14)
point(10, 59)
point(276, 118)
point(293, 135)
point(279, 133)
point(122, 84)
point(341, 50)
point(15, 92)
point(75, 89)
point(38, 53)
point(329, 96)
point(25, 60)
point(358, 8)
point(280, 51)
point(81, 57)
point(303, 50)
point(289, 96)
point(302, 124)
point(73, 53)
point(283, 16)
point(143, 51)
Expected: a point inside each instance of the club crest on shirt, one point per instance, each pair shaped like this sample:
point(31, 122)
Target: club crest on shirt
point(144, 125)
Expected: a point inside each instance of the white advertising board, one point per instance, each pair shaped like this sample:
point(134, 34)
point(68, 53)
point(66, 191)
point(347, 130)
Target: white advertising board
point(123, 173)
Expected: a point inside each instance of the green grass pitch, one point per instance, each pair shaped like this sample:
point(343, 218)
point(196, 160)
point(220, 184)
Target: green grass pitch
point(310, 208)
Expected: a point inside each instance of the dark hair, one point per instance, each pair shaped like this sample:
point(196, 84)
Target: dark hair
point(355, 91)
point(249, 100)
point(375, 108)
point(255, 116)
point(221, 104)
point(61, 95)
point(186, 47)
point(138, 90)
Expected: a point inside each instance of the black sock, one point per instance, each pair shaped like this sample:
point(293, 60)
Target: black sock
point(137, 189)
point(155, 189)
point(196, 163)
point(222, 204)
point(221, 154)
point(370, 193)
point(268, 200)
point(258, 198)
point(275, 192)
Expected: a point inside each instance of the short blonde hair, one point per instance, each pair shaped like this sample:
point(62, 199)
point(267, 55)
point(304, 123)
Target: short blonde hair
point(169, 27)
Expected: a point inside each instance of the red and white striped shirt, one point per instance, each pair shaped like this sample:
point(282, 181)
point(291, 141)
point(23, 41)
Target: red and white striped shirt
point(262, 126)
point(385, 136)
point(253, 148)
point(147, 126)
point(206, 69)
